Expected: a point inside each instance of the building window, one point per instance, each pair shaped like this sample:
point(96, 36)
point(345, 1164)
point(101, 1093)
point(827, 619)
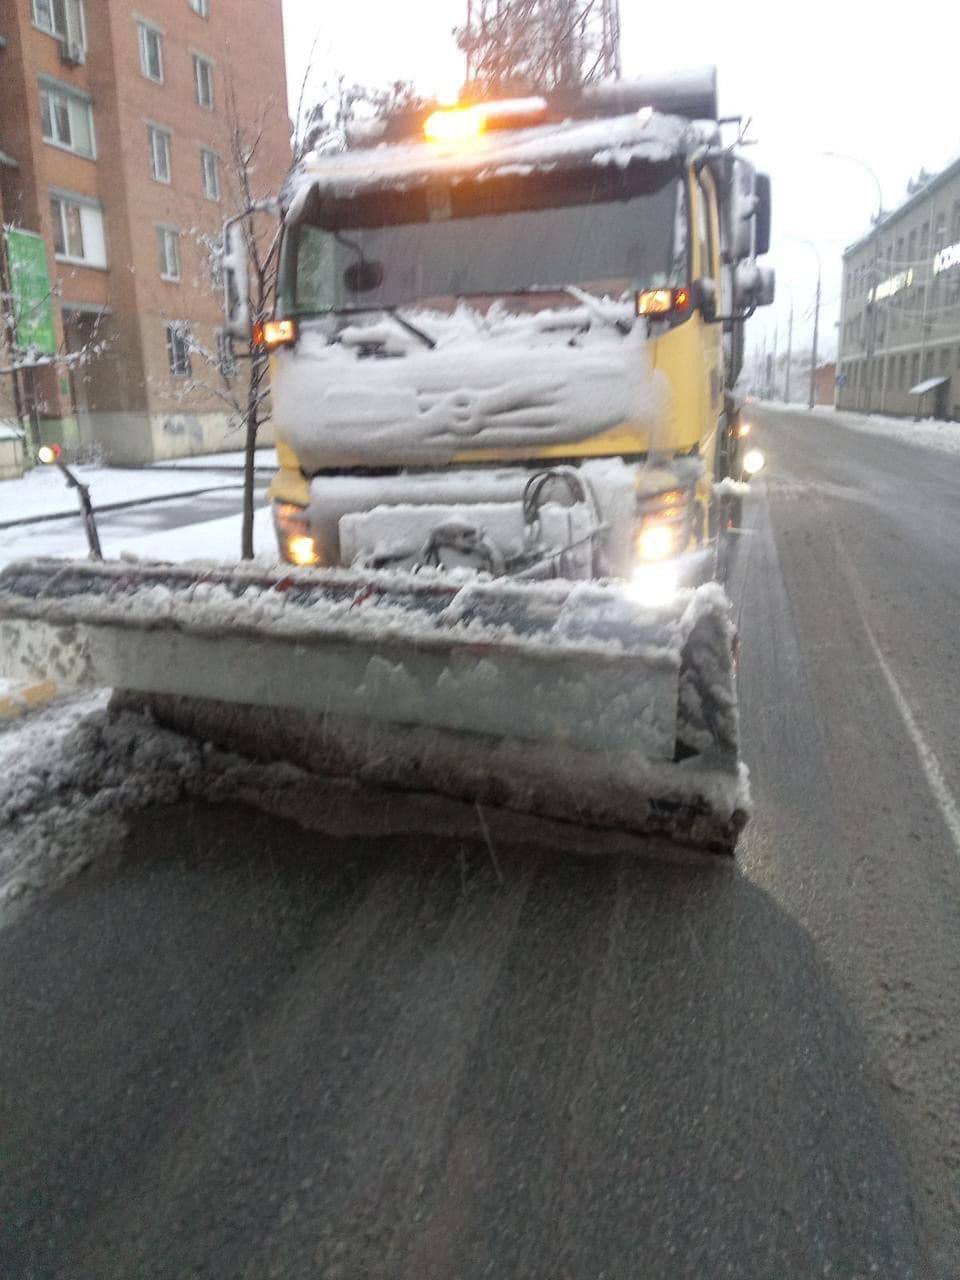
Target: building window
point(159, 140)
point(203, 80)
point(226, 360)
point(67, 119)
point(78, 230)
point(63, 19)
point(210, 174)
point(201, 7)
point(178, 349)
point(168, 243)
point(151, 52)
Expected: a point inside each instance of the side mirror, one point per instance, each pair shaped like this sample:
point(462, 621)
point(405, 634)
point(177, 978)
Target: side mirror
point(762, 216)
point(766, 286)
point(236, 280)
point(705, 297)
point(364, 276)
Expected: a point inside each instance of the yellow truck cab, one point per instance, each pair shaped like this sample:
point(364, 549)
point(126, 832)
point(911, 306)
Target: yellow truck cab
point(506, 337)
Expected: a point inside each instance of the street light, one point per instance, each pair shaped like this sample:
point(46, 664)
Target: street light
point(843, 155)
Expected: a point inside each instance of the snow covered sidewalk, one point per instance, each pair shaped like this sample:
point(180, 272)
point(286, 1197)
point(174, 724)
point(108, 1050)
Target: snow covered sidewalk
point(266, 460)
point(43, 493)
point(929, 433)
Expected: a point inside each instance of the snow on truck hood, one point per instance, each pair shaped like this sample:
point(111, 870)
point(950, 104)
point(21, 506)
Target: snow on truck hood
point(495, 382)
point(640, 135)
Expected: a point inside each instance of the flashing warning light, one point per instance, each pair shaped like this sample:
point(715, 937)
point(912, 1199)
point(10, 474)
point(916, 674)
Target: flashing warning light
point(275, 333)
point(462, 124)
point(455, 124)
point(49, 453)
point(663, 302)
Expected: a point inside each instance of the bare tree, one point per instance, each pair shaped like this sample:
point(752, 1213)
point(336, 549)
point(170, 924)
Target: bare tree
point(524, 46)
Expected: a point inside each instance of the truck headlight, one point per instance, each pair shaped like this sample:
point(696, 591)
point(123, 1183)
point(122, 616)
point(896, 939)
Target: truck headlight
point(656, 540)
point(297, 541)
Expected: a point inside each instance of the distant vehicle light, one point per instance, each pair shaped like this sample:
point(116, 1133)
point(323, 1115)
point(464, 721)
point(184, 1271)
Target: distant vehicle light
point(743, 429)
point(275, 333)
point(753, 461)
point(455, 124)
point(49, 453)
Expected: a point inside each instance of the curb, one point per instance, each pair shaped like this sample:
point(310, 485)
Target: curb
point(26, 698)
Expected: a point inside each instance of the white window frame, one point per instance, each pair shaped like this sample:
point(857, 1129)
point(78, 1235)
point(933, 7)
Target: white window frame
point(166, 237)
point(200, 60)
point(200, 7)
point(178, 331)
point(144, 31)
point(210, 165)
point(70, 99)
point(93, 248)
point(157, 132)
point(74, 29)
point(58, 211)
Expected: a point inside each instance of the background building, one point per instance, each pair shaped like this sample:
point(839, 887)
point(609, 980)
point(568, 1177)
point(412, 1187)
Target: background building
point(115, 129)
point(900, 311)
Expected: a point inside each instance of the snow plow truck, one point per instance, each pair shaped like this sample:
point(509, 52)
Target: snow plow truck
point(503, 351)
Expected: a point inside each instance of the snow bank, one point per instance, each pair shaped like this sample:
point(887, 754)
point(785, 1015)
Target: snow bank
point(929, 433)
point(730, 488)
point(496, 382)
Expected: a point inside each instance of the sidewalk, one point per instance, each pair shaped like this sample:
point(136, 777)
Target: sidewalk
point(928, 433)
point(266, 460)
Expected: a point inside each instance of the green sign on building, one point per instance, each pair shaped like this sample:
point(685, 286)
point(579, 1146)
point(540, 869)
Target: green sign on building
point(30, 287)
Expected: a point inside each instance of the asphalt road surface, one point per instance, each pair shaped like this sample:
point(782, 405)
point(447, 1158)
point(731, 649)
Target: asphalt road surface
point(242, 1050)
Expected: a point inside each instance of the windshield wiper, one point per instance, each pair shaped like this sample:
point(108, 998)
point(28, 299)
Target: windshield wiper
point(410, 326)
point(592, 304)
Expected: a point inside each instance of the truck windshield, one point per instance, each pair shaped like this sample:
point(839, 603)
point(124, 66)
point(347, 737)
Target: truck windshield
point(609, 247)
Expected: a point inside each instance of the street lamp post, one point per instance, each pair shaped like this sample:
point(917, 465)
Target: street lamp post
point(816, 317)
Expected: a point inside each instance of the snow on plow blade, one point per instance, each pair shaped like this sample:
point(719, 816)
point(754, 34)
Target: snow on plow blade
point(563, 699)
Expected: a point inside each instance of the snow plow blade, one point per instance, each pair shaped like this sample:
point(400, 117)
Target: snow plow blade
point(570, 700)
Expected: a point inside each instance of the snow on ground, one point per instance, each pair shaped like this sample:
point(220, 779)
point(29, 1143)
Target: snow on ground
point(216, 539)
point(929, 433)
point(266, 460)
point(44, 491)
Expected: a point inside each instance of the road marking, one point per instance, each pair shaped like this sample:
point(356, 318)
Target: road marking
point(949, 809)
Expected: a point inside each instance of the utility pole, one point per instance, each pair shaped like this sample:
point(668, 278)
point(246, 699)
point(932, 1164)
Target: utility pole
point(816, 333)
point(786, 391)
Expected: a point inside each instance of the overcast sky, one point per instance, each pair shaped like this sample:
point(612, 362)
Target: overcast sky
point(840, 76)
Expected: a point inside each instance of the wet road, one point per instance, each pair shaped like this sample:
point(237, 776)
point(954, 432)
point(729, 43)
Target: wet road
point(243, 1050)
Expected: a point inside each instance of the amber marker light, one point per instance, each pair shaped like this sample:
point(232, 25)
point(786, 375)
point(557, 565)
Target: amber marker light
point(454, 124)
point(275, 333)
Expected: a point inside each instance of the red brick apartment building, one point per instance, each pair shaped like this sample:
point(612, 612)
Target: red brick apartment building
point(115, 148)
